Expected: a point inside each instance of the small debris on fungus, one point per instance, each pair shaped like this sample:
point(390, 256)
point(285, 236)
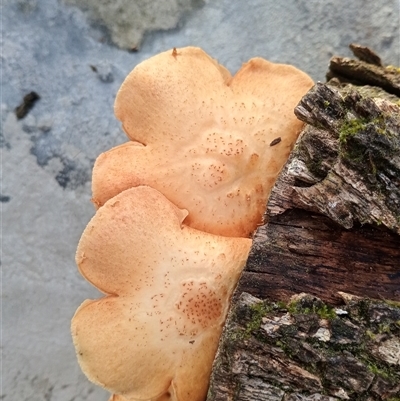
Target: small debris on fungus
point(275, 141)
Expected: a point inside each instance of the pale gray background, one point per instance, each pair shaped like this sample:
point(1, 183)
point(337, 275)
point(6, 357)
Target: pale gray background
point(48, 46)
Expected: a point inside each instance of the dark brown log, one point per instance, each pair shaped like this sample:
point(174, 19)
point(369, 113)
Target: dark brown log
point(345, 172)
point(308, 351)
point(301, 251)
point(333, 229)
point(347, 163)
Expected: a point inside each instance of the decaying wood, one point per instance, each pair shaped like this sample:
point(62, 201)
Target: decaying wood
point(333, 228)
point(347, 163)
point(308, 351)
point(368, 70)
point(366, 54)
point(344, 175)
point(301, 251)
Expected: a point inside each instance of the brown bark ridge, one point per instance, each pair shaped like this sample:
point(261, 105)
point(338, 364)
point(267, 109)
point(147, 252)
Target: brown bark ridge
point(333, 230)
point(368, 70)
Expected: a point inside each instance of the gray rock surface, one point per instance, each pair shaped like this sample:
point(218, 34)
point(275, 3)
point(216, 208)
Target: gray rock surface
point(127, 21)
point(58, 51)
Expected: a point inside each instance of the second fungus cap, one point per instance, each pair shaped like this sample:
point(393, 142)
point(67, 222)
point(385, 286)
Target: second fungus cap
point(168, 290)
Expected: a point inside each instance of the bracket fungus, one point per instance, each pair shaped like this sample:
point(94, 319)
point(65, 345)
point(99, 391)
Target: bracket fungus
point(203, 138)
point(176, 206)
point(168, 288)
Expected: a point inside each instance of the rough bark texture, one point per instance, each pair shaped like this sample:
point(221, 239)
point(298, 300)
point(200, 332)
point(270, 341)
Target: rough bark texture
point(302, 251)
point(306, 350)
point(333, 229)
point(368, 70)
point(347, 163)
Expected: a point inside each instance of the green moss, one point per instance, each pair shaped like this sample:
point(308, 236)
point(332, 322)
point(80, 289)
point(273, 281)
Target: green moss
point(371, 335)
point(349, 129)
point(326, 312)
point(322, 310)
point(382, 370)
point(384, 328)
point(257, 311)
point(234, 336)
point(287, 340)
point(377, 367)
point(378, 371)
point(396, 304)
point(281, 305)
point(352, 127)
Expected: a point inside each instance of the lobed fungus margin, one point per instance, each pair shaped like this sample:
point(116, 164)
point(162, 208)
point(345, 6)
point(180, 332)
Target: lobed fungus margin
point(176, 206)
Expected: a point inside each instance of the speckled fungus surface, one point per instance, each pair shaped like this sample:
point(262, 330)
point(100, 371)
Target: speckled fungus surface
point(168, 288)
point(211, 143)
point(176, 205)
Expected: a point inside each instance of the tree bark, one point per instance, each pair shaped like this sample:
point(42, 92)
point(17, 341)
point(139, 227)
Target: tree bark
point(306, 350)
point(333, 230)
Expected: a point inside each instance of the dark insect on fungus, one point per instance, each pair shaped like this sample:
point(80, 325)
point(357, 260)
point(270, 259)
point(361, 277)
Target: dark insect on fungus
point(275, 141)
